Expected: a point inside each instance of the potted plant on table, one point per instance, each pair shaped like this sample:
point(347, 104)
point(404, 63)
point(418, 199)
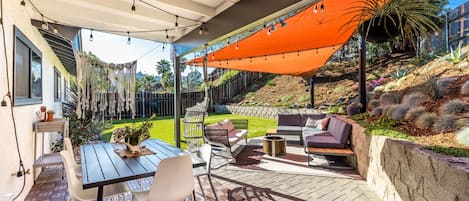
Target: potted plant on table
point(132, 138)
point(50, 115)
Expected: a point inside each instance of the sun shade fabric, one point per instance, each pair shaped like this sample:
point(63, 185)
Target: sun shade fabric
point(300, 48)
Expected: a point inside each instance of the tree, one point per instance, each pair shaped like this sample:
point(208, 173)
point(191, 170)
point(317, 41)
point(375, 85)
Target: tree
point(163, 67)
point(194, 79)
point(147, 82)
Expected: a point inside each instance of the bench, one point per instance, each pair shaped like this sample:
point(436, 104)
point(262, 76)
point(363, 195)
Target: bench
point(294, 124)
point(224, 135)
point(333, 142)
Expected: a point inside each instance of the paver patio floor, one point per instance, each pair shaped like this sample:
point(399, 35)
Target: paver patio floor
point(235, 185)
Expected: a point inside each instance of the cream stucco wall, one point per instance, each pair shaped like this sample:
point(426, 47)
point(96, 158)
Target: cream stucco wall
point(15, 14)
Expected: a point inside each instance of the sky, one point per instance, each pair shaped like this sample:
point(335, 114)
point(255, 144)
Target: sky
point(114, 48)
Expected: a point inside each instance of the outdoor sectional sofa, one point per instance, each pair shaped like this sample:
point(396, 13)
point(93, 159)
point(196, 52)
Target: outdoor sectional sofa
point(294, 124)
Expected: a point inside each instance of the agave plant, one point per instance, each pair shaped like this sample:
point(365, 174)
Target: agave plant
point(456, 55)
point(405, 20)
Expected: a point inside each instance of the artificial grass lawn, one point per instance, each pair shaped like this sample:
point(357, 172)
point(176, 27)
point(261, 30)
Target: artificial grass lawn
point(163, 127)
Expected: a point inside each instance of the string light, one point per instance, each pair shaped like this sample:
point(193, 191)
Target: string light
point(268, 32)
point(164, 44)
point(283, 23)
point(322, 8)
point(133, 7)
point(91, 35)
point(167, 36)
point(315, 9)
point(213, 56)
point(128, 38)
point(201, 29)
point(23, 3)
point(55, 30)
point(176, 23)
point(237, 47)
point(44, 24)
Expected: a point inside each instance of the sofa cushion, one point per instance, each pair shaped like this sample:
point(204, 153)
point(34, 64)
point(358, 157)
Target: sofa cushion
point(289, 130)
point(212, 126)
point(312, 123)
point(307, 131)
point(227, 124)
point(339, 129)
point(289, 120)
point(323, 141)
point(304, 117)
point(236, 135)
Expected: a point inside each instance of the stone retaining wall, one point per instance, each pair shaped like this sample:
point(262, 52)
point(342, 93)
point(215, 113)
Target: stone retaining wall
point(263, 112)
point(400, 170)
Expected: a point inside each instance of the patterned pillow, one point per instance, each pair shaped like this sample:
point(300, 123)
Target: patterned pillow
point(323, 124)
point(312, 123)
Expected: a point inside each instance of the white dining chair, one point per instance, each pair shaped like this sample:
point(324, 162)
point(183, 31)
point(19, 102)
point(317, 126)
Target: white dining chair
point(205, 152)
point(173, 181)
point(69, 148)
point(75, 186)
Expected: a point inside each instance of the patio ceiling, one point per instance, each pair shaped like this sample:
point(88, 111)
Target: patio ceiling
point(151, 18)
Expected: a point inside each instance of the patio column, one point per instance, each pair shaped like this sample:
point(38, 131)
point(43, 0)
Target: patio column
point(177, 101)
point(362, 70)
point(311, 91)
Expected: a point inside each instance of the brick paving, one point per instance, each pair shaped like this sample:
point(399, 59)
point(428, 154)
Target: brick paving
point(234, 185)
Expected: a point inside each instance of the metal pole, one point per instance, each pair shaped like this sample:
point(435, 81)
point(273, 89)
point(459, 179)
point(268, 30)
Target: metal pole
point(446, 31)
point(143, 103)
point(177, 101)
point(311, 92)
point(362, 71)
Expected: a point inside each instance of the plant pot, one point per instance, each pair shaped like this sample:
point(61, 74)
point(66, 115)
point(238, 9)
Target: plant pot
point(50, 116)
point(382, 31)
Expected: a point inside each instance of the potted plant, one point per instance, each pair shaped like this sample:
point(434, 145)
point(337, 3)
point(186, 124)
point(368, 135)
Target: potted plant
point(50, 115)
point(133, 137)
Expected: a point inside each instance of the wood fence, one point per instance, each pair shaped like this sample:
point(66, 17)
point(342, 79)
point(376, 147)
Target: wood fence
point(162, 104)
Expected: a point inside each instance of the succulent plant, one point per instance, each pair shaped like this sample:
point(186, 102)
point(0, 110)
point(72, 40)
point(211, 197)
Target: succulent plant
point(425, 120)
point(416, 99)
point(430, 87)
point(465, 89)
point(400, 112)
point(454, 106)
point(373, 104)
point(389, 98)
point(462, 136)
point(354, 108)
point(445, 123)
point(414, 113)
point(377, 111)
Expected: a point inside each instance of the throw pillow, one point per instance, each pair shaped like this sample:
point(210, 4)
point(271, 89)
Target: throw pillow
point(323, 124)
point(227, 124)
point(312, 123)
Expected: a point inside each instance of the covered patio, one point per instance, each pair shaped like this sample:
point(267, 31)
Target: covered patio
point(283, 37)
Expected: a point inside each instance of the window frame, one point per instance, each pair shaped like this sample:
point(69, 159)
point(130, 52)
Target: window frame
point(20, 101)
point(57, 85)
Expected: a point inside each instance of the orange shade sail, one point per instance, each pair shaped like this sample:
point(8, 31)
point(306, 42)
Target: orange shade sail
point(300, 48)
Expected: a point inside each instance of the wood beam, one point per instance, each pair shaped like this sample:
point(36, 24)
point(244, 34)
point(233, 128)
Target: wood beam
point(190, 7)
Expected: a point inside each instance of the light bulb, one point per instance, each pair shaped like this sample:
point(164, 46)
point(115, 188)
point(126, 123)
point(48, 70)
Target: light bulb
point(133, 7)
point(128, 38)
point(23, 3)
point(176, 23)
point(315, 10)
point(55, 30)
point(322, 8)
point(91, 35)
point(268, 32)
point(167, 36)
point(44, 25)
point(237, 47)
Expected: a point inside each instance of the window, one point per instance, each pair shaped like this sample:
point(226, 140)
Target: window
point(57, 86)
point(65, 90)
point(27, 67)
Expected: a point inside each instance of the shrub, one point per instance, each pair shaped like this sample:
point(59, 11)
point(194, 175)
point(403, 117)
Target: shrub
point(416, 99)
point(465, 89)
point(391, 110)
point(287, 98)
point(227, 76)
point(389, 98)
point(373, 104)
point(354, 108)
point(336, 109)
point(444, 124)
point(390, 86)
point(377, 112)
point(443, 84)
point(400, 112)
point(425, 120)
point(379, 88)
point(461, 123)
point(270, 83)
point(462, 136)
point(430, 87)
point(454, 106)
point(414, 113)
point(304, 98)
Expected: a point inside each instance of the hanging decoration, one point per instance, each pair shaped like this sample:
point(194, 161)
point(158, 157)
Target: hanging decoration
point(105, 87)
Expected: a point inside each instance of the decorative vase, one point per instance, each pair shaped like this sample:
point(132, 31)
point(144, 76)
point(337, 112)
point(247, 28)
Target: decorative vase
point(50, 116)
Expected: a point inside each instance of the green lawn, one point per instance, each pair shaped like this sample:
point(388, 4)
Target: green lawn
point(163, 127)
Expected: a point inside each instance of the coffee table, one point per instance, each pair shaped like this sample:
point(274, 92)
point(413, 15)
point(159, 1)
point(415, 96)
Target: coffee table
point(274, 145)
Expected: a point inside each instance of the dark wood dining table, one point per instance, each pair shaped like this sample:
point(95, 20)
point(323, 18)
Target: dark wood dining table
point(102, 166)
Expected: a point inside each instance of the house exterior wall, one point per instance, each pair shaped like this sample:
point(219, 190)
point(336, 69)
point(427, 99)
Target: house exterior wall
point(15, 14)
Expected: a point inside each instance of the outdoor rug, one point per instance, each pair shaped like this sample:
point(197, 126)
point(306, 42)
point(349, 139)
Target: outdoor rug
point(251, 157)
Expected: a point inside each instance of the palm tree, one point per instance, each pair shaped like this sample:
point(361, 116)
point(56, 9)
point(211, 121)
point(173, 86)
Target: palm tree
point(398, 20)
